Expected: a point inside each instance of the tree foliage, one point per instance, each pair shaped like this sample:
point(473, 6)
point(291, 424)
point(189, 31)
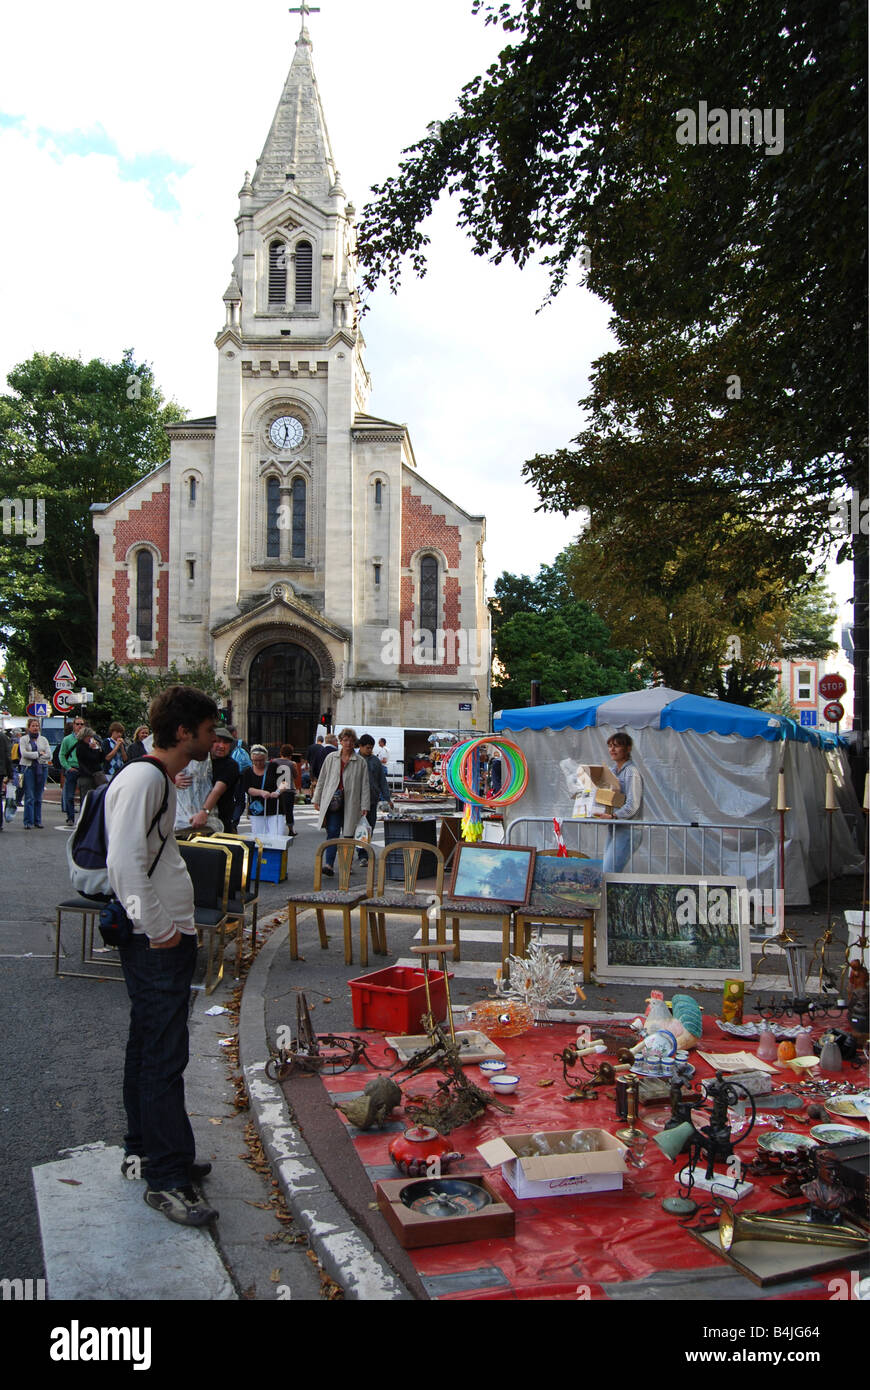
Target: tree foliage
point(721, 262)
point(541, 632)
point(72, 434)
point(126, 693)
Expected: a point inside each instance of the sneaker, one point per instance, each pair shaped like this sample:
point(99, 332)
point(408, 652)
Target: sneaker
point(183, 1205)
point(198, 1171)
point(330, 873)
point(70, 822)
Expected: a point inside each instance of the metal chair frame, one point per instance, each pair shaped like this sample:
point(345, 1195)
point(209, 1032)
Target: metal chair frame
point(89, 912)
point(527, 917)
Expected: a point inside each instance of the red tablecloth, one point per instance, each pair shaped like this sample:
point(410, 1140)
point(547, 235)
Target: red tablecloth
point(567, 1247)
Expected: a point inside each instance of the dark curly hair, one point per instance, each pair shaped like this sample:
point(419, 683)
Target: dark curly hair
point(178, 706)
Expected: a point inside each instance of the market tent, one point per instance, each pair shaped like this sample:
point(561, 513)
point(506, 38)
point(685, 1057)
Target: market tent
point(703, 762)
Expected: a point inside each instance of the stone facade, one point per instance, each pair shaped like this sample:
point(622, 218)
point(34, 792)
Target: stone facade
point(293, 541)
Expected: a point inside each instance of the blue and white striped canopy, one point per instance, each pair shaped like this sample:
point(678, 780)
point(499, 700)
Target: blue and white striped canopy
point(657, 708)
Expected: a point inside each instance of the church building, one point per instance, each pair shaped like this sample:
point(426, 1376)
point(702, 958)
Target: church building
point(290, 539)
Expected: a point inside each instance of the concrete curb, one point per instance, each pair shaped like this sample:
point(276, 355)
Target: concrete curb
point(346, 1254)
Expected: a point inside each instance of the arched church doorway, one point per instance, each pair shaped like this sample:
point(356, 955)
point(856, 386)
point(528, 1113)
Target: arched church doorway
point(283, 697)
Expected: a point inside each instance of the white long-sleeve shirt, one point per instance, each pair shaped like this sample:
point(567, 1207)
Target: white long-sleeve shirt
point(159, 904)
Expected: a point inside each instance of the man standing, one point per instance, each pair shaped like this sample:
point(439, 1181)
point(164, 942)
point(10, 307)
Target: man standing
point(242, 758)
point(225, 776)
point(69, 762)
point(150, 881)
point(316, 754)
point(379, 787)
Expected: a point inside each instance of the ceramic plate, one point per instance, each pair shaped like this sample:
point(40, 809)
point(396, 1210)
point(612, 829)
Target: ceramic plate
point(853, 1107)
point(835, 1134)
point(782, 1141)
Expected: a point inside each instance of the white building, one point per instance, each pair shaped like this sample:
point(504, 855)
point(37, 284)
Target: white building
point(290, 539)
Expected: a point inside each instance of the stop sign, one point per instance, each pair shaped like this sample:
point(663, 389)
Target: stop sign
point(832, 687)
point(834, 712)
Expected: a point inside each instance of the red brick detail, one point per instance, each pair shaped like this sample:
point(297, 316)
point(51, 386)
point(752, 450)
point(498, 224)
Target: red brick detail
point(421, 526)
point(150, 522)
point(449, 624)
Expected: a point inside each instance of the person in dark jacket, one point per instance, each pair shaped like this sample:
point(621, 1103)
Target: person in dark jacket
point(137, 748)
point(379, 787)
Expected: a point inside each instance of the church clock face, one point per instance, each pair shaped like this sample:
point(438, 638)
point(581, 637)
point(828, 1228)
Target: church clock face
point(286, 432)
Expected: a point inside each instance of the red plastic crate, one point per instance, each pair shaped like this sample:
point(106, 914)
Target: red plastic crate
point(394, 1000)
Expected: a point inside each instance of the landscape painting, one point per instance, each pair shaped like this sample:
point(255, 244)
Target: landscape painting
point(499, 872)
point(682, 930)
point(567, 887)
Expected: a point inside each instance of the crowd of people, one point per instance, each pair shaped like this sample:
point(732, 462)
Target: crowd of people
point(211, 793)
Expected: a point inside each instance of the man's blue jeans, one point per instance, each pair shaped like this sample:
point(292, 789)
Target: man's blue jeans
point(158, 983)
point(34, 785)
point(68, 796)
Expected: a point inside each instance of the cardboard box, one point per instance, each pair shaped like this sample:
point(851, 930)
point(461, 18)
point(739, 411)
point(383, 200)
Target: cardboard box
point(607, 796)
point(557, 1175)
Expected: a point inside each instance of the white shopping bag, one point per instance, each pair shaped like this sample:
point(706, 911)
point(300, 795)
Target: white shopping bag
point(268, 825)
point(363, 830)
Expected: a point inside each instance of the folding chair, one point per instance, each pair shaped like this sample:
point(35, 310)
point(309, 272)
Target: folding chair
point(251, 889)
point(528, 916)
point(210, 866)
point(343, 898)
point(89, 911)
point(404, 904)
point(238, 873)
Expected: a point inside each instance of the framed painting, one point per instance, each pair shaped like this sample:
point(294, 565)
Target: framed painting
point(502, 873)
point(567, 887)
point(680, 930)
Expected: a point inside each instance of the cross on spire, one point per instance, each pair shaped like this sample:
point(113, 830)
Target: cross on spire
point(304, 9)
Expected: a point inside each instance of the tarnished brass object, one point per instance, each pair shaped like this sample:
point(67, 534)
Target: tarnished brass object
point(757, 1226)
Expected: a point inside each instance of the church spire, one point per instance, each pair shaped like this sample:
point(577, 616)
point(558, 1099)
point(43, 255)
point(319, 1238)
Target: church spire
point(297, 155)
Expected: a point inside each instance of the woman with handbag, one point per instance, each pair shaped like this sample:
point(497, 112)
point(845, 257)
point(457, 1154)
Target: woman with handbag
point(261, 784)
point(342, 795)
point(34, 752)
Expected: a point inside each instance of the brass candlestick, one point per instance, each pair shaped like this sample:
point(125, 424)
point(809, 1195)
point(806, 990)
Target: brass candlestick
point(631, 1132)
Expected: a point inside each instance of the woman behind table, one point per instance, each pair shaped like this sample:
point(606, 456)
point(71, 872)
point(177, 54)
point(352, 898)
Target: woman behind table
point(618, 850)
point(34, 752)
point(342, 794)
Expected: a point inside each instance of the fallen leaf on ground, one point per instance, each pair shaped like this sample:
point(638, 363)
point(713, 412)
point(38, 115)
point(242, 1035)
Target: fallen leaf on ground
point(275, 1276)
point(327, 999)
point(213, 1121)
point(546, 1083)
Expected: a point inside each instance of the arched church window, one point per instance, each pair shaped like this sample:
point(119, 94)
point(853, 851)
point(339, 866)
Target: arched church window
point(298, 509)
point(429, 595)
point(145, 596)
point(304, 272)
point(277, 273)
point(273, 518)
point(379, 492)
point(191, 493)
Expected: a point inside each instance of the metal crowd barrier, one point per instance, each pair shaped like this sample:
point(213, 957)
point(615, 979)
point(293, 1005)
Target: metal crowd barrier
point(689, 850)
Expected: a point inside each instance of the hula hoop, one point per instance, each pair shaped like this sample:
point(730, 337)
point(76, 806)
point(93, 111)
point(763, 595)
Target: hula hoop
point(457, 770)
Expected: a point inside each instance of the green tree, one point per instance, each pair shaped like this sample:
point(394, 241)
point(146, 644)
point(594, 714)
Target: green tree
point(736, 272)
point(541, 632)
point(72, 434)
point(125, 693)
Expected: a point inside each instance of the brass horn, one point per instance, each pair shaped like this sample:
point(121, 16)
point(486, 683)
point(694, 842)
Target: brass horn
point(757, 1226)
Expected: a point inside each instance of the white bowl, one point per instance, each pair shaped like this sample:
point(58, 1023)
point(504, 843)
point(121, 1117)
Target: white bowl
point(505, 1084)
point(493, 1066)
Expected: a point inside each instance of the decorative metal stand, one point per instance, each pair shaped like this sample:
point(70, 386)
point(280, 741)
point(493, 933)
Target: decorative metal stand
point(316, 1052)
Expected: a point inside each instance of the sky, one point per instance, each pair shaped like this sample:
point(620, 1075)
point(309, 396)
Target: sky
point(125, 133)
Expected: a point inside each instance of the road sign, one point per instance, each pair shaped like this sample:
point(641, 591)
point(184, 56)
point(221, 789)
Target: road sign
point(38, 710)
point(834, 712)
point(832, 686)
point(809, 718)
point(62, 701)
point(466, 707)
point(64, 675)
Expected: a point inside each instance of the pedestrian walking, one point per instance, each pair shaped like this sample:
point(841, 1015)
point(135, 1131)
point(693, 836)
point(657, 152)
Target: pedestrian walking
point(151, 883)
point(69, 762)
point(342, 793)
